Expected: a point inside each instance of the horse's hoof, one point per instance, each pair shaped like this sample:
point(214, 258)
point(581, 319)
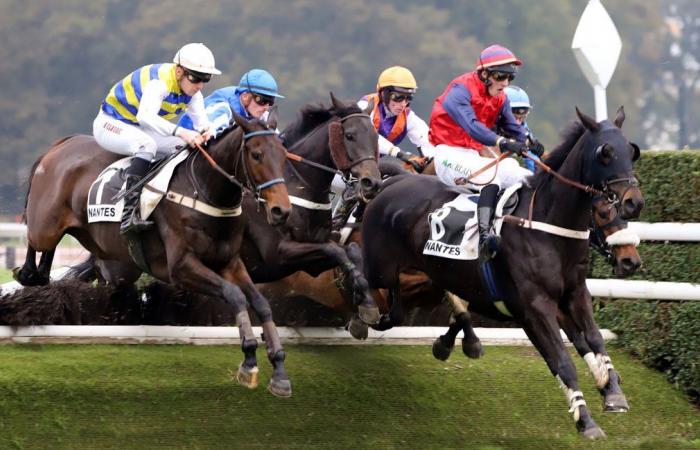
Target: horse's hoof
point(473, 349)
point(615, 403)
point(357, 328)
point(247, 377)
point(594, 433)
point(280, 388)
point(29, 279)
point(370, 315)
point(384, 323)
point(440, 350)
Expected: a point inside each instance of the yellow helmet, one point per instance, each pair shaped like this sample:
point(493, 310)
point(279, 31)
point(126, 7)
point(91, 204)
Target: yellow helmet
point(399, 77)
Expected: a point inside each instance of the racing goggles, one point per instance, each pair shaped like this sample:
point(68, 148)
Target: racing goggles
point(263, 100)
point(502, 76)
point(400, 97)
point(197, 77)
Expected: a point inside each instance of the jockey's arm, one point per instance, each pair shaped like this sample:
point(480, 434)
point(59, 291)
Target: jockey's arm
point(220, 116)
point(511, 128)
point(385, 146)
point(196, 111)
point(152, 98)
point(417, 132)
point(458, 106)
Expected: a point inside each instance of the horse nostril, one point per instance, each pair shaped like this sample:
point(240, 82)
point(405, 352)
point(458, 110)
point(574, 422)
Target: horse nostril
point(279, 215)
point(369, 185)
point(632, 208)
point(630, 264)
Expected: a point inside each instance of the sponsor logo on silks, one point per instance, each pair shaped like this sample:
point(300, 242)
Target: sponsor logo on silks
point(102, 213)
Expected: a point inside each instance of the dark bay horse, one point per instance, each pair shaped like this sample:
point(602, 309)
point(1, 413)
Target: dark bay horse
point(540, 277)
point(342, 138)
point(187, 248)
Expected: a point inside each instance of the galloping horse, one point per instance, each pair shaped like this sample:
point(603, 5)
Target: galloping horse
point(186, 247)
point(540, 277)
point(343, 139)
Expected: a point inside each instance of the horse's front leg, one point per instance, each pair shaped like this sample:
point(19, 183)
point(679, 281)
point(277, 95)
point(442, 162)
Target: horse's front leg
point(279, 383)
point(580, 313)
point(188, 272)
point(540, 324)
point(28, 274)
point(334, 255)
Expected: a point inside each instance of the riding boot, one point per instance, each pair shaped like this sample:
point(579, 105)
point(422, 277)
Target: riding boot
point(343, 210)
point(130, 215)
point(485, 209)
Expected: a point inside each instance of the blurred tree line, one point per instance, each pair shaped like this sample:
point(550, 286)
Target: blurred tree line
point(59, 59)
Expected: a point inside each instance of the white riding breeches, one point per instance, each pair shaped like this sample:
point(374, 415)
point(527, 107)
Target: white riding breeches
point(125, 139)
point(452, 163)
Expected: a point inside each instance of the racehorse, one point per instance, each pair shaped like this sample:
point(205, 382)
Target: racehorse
point(538, 275)
point(188, 248)
point(340, 138)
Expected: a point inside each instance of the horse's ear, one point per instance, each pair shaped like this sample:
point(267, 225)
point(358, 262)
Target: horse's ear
point(241, 121)
point(370, 107)
point(604, 154)
point(272, 118)
point(619, 117)
point(337, 104)
point(587, 121)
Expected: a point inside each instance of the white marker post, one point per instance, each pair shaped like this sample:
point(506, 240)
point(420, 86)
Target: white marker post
point(597, 46)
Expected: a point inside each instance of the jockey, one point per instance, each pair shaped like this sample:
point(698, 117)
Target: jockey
point(252, 98)
point(394, 121)
point(134, 117)
point(461, 124)
point(520, 107)
point(393, 118)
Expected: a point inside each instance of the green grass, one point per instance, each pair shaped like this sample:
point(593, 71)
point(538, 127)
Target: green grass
point(132, 397)
point(5, 275)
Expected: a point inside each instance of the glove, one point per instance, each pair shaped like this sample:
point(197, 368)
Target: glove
point(535, 147)
point(513, 146)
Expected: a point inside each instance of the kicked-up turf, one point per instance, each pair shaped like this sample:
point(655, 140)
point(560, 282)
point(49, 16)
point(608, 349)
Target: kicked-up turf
point(345, 397)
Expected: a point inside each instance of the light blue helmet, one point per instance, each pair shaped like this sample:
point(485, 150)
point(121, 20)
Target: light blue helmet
point(518, 97)
point(259, 81)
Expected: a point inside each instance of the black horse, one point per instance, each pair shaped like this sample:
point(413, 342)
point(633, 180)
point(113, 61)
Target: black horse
point(343, 139)
point(540, 277)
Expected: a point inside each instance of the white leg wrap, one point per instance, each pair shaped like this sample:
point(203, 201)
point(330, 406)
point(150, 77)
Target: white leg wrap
point(597, 366)
point(573, 398)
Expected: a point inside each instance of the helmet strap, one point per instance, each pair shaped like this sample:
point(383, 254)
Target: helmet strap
point(485, 76)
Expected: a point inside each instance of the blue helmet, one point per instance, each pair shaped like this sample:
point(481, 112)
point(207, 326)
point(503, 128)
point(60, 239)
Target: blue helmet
point(259, 81)
point(518, 97)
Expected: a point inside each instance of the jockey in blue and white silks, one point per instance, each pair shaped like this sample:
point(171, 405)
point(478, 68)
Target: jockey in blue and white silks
point(134, 117)
point(252, 98)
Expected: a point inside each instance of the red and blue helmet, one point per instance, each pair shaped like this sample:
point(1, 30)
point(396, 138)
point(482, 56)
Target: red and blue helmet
point(498, 59)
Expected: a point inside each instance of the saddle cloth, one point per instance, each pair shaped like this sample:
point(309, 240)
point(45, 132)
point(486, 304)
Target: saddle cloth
point(454, 233)
point(102, 208)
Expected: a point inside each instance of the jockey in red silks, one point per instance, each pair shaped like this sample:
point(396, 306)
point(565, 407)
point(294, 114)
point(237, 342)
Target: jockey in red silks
point(461, 124)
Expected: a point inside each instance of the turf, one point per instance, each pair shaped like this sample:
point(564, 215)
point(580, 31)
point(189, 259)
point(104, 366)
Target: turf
point(345, 397)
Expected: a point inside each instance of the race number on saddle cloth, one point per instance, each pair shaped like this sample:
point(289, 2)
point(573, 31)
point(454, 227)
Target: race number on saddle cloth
point(454, 229)
point(102, 204)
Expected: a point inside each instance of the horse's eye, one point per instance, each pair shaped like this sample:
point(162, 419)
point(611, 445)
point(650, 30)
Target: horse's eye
point(349, 137)
point(257, 156)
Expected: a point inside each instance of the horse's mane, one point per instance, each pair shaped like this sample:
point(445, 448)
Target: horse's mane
point(232, 126)
point(313, 115)
point(571, 134)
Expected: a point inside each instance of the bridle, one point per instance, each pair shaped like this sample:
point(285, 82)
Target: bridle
point(248, 183)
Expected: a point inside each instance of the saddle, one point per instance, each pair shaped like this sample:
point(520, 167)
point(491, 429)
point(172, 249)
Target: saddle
point(453, 227)
point(105, 197)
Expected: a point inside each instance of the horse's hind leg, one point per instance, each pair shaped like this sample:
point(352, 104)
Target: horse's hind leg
point(471, 345)
point(28, 274)
point(279, 383)
point(597, 359)
point(541, 326)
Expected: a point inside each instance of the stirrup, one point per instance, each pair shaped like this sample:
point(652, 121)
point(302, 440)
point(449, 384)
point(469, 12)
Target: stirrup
point(132, 223)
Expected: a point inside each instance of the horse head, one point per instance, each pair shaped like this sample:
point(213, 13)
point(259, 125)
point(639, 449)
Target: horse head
point(354, 149)
point(263, 164)
point(613, 239)
point(609, 166)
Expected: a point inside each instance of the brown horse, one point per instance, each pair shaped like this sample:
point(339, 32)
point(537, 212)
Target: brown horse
point(187, 248)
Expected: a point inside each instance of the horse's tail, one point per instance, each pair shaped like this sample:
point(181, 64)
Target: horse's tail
point(31, 173)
